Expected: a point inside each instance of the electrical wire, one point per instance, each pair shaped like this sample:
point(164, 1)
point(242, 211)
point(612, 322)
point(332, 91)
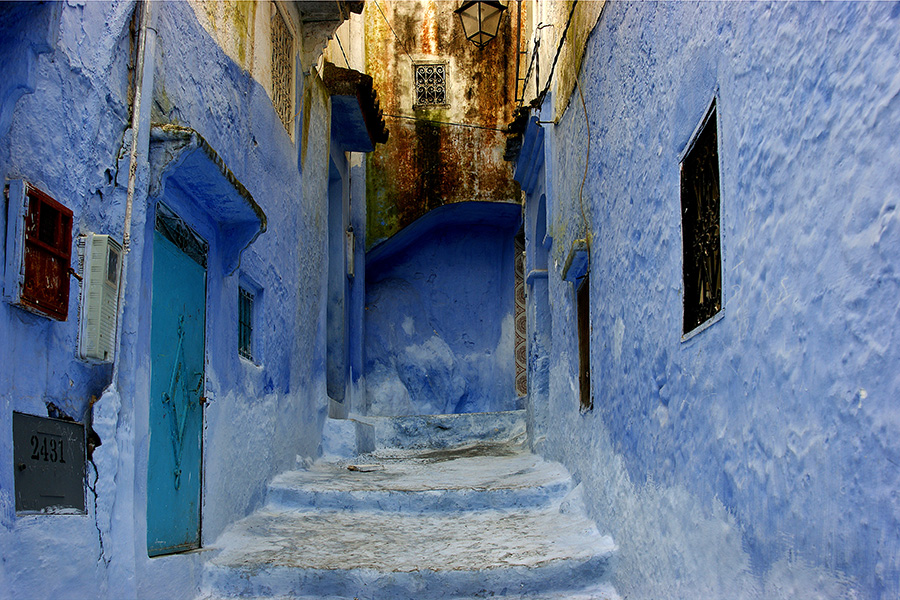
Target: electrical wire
point(469, 125)
point(337, 37)
point(587, 161)
point(341, 46)
point(562, 40)
point(534, 54)
point(399, 41)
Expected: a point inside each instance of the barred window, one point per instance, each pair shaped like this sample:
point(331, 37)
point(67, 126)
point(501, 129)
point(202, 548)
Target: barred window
point(700, 227)
point(583, 310)
point(282, 69)
point(245, 323)
point(431, 84)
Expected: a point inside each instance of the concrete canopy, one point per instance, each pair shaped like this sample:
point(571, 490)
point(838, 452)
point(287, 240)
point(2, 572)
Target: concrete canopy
point(180, 157)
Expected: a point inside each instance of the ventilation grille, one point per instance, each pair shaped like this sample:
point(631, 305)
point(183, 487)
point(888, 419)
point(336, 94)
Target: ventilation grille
point(99, 298)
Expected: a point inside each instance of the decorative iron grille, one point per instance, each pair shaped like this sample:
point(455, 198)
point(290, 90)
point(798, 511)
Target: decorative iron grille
point(282, 69)
point(431, 84)
point(700, 227)
point(521, 345)
point(177, 231)
point(245, 323)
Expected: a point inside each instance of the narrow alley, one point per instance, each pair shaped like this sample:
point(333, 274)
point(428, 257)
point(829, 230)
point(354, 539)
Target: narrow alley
point(449, 299)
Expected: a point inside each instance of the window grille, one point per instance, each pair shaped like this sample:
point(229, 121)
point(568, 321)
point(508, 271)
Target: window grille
point(245, 323)
point(700, 227)
point(177, 231)
point(583, 308)
point(521, 318)
point(282, 69)
point(431, 84)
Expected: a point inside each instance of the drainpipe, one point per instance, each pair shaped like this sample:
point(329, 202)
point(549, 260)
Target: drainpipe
point(113, 461)
point(140, 143)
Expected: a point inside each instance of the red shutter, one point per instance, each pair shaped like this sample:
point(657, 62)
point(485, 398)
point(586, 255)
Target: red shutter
point(48, 250)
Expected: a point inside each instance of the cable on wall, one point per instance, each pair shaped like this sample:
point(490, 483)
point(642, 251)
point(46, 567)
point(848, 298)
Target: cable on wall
point(562, 40)
point(338, 37)
point(587, 161)
point(469, 125)
point(399, 41)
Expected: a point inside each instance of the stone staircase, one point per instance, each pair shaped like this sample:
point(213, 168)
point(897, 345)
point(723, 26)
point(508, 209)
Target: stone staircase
point(429, 512)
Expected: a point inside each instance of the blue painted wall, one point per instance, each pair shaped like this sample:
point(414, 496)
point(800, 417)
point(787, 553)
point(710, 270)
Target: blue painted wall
point(760, 457)
point(66, 132)
point(439, 314)
point(61, 122)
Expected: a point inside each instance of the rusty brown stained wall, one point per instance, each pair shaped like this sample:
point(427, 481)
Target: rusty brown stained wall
point(426, 162)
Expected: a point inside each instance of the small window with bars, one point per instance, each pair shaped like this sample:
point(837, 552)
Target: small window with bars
point(282, 68)
point(702, 251)
point(583, 310)
point(431, 84)
point(245, 322)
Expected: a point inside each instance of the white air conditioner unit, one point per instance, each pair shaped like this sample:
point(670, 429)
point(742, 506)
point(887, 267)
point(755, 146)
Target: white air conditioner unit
point(102, 262)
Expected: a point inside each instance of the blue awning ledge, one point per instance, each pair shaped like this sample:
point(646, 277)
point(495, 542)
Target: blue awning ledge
point(531, 157)
point(577, 262)
point(356, 120)
point(180, 157)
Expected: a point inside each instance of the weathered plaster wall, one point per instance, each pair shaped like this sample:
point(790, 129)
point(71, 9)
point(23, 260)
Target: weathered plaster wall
point(27, 32)
point(67, 137)
point(66, 117)
point(426, 164)
point(233, 26)
point(439, 319)
point(261, 415)
point(759, 458)
point(571, 21)
point(347, 49)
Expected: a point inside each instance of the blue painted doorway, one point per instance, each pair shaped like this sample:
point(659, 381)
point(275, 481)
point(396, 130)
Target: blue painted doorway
point(177, 339)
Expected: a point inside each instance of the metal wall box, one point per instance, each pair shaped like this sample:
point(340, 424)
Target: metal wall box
point(48, 462)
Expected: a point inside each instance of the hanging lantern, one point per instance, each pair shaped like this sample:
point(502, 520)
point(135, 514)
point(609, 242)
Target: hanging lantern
point(480, 20)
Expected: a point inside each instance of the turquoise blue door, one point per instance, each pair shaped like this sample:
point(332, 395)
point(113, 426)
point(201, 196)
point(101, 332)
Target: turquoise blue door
point(177, 326)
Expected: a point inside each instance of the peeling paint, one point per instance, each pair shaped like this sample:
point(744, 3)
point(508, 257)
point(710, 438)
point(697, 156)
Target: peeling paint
point(231, 25)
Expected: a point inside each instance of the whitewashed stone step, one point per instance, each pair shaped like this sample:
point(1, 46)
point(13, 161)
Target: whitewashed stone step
point(598, 592)
point(446, 521)
point(486, 476)
point(368, 554)
point(446, 431)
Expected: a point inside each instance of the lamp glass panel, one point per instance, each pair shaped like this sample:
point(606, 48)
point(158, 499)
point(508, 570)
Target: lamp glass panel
point(469, 18)
point(490, 20)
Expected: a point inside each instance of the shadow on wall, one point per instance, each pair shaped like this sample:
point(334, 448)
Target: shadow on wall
point(439, 314)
